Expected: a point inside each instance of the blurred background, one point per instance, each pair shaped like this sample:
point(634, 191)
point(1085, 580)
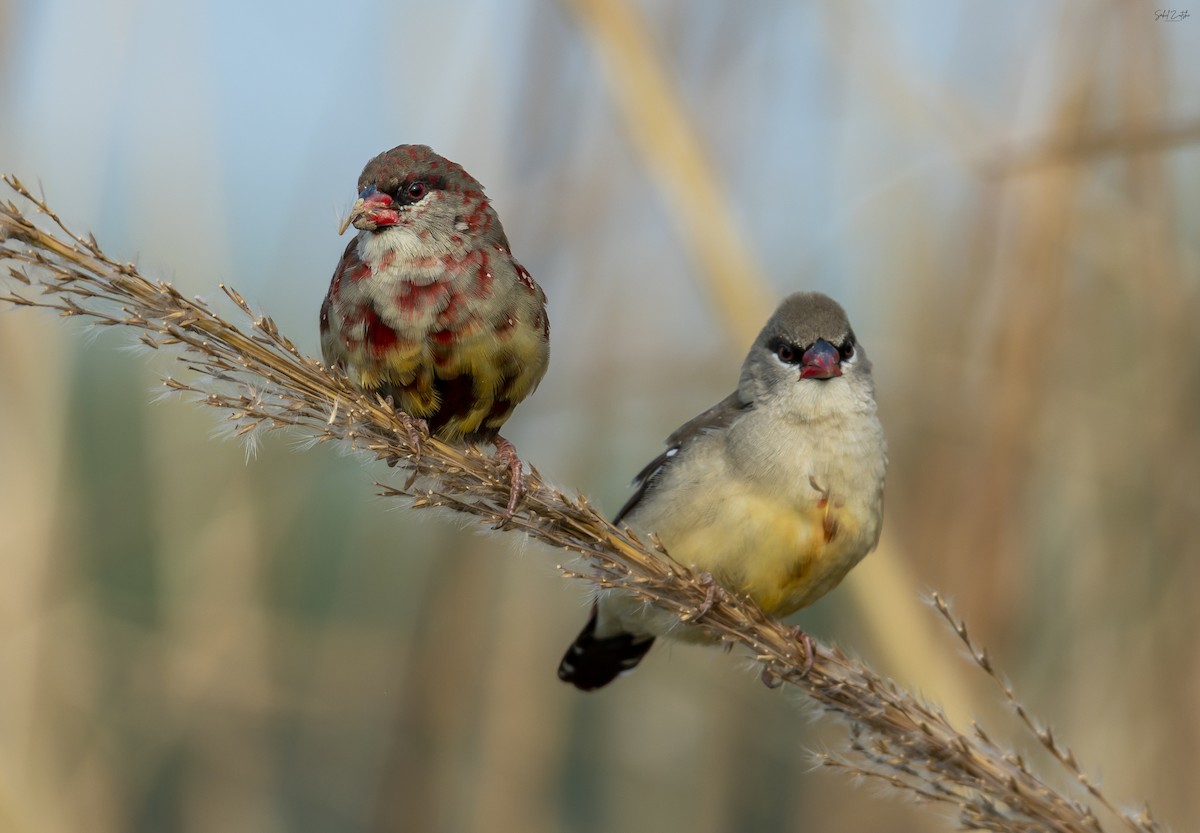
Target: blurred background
point(1003, 195)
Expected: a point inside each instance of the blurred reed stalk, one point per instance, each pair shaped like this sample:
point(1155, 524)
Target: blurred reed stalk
point(666, 137)
point(261, 381)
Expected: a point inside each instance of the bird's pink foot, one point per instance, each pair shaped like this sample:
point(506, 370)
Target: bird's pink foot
point(415, 431)
point(712, 592)
point(773, 679)
point(507, 452)
point(806, 643)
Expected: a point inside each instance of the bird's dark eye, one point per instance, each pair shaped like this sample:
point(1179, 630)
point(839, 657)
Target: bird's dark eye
point(415, 190)
point(846, 349)
point(787, 352)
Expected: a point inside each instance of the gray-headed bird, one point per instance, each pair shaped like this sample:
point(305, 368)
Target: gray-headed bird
point(776, 491)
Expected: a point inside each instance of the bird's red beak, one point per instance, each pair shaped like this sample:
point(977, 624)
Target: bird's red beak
point(372, 210)
point(821, 361)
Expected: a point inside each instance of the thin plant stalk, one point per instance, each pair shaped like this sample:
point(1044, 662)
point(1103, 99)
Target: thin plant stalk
point(260, 381)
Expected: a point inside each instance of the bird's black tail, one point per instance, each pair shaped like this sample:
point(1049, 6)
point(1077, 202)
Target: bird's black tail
point(592, 662)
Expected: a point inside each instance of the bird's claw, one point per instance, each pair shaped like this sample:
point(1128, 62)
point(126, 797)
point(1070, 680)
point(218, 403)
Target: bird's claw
point(712, 592)
point(508, 452)
point(416, 429)
point(773, 679)
point(809, 651)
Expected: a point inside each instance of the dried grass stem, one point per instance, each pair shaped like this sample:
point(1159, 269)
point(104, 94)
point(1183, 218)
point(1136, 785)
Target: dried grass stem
point(262, 381)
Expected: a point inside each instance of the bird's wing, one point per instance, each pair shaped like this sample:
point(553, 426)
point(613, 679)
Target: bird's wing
point(331, 350)
point(715, 418)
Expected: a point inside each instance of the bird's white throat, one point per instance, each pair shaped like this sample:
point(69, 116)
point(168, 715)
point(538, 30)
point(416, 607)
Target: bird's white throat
point(405, 252)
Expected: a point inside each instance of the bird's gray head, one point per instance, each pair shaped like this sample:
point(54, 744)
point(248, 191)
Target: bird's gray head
point(807, 360)
point(413, 190)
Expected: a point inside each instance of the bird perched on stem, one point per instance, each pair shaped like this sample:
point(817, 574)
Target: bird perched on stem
point(428, 306)
point(773, 493)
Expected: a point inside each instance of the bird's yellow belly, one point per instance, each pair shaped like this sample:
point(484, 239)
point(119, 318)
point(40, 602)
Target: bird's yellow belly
point(463, 387)
point(781, 556)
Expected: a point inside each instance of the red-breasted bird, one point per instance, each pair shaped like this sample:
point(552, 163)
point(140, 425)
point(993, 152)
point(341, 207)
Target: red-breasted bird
point(429, 307)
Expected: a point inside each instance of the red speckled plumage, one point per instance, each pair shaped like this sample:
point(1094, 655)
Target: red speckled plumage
point(428, 305)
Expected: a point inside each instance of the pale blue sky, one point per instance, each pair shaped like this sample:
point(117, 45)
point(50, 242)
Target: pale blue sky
point(220, 141)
